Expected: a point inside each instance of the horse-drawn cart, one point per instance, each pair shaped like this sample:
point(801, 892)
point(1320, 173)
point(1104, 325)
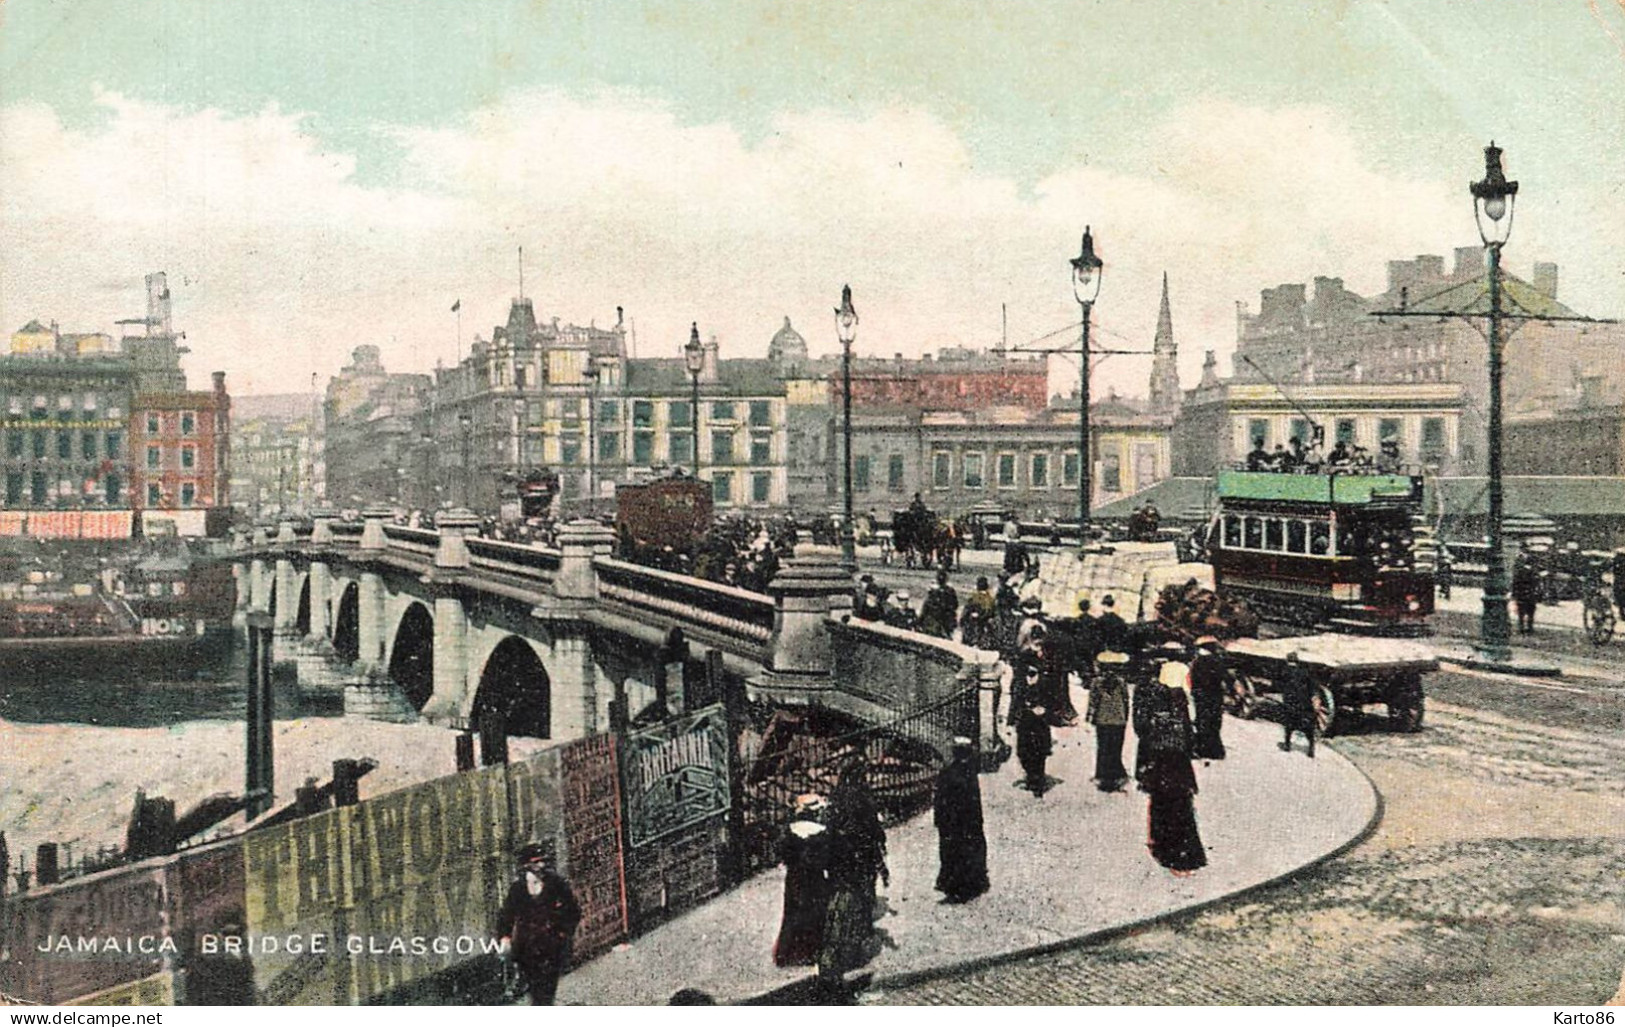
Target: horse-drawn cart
point(1348, 671)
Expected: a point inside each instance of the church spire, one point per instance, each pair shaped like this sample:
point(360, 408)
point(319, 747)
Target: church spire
point(1165, 394)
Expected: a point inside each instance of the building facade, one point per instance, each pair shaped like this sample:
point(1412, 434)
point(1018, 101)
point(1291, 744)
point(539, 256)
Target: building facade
point(66, 430)
point(180, 444)
point(1584, 440)
point(277, 455)
point(371, 430)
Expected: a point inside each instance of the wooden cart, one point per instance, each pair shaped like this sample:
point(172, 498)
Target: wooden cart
point(1349, 672)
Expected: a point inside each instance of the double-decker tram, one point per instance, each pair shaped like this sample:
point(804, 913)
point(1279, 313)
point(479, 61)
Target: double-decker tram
point(1334, 549)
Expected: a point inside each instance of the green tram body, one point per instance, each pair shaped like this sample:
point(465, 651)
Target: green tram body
point(1333, 549)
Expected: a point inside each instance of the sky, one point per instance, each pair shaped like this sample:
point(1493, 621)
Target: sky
point(315, 176)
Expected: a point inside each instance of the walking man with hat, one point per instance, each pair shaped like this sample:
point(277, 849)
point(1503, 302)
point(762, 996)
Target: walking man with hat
point(538, 922)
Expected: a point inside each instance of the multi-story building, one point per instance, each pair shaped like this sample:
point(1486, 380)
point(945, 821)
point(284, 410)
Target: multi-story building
point(372, 433)
point(180, 443)
point(276, 454)
point(1584, 438)
point(1332, 337)
point(66, 430)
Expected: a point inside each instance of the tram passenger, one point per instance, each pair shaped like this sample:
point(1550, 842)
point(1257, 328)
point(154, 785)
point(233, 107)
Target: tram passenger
point(1340, 456)
point(1258, 459)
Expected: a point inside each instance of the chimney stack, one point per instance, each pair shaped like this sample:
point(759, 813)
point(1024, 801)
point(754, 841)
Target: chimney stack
point(1469, 261)
point(709, 369)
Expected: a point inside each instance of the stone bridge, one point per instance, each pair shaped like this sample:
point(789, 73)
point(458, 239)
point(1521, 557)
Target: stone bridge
point(450, 628)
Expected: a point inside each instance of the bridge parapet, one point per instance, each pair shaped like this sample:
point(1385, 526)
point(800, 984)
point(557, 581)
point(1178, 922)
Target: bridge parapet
point(732, 618)
point(419, 542)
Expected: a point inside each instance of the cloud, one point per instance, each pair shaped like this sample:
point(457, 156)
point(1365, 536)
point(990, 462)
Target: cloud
point(281, 261)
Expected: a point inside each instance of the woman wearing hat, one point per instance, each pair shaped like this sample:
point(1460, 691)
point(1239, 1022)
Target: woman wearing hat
point(1033, 742)
point(538, 921)
point(956, 808)
point(1167, 777)
point(1108, 712)
point(1207, 695)
point(805, 852)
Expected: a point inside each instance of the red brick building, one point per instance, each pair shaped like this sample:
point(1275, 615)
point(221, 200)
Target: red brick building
point(180, 449)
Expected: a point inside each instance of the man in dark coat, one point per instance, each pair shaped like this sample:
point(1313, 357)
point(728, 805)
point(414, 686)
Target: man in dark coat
point(1525, 592)
point(1298, 695)
point(1033, 741)
point(956, 808)
point(940, 614)
point(976, 622)
point(538, 921)
point(1207, 695)
point(1111, 631)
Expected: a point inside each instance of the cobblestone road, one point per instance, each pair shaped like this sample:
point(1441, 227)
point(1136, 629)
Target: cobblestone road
point(1495, 877)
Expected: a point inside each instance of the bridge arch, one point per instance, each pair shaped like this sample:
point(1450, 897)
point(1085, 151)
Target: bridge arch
point(301, 618)
point(270, 598)
point(347, 624)
point(411, 660)
point(516, 685)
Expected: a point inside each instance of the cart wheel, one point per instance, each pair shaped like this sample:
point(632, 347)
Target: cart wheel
point(1325, 706)
point(1240, 697)
point(1598, 616)
point(1405, 704)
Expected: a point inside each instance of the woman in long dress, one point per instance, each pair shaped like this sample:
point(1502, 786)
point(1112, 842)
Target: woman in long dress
point(1168, 779)
point(805, 851)
point(857, 860)
point(1108, 712)
point(956, 808)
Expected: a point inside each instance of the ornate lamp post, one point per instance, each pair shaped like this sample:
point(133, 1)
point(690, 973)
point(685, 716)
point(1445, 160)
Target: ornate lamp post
point(1493, 200)
point(694, 360)
point(1087, 270)
point(465, 424)
point(590, 376)
point(846, 329)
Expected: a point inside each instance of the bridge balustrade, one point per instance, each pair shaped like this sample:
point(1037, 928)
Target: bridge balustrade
point(514, 559)
point(417, 541)
point(736, 615)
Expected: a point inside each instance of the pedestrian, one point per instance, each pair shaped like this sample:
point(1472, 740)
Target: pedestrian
point(1016, 558)
point(857, 859)
point(940, 614)
point(1207, 695)
point(956, 808)
point(976, 622)
point(1032, 621)
point(1444, 575)
point(1619, 579)
point(899, 612)
point(805, 852)
point(1033, 741)
point(1298, 695)
point(538, 921)
point(1108, 711)
point(1167, 778)
point(1111, 631)
point(1525, 592)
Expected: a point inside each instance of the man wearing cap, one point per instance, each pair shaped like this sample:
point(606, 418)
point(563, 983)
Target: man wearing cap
point(1108, 712)
point(1297, 692)
point(1207, 695)
point(538, 921)
point(956, 809)
point(1033, 742)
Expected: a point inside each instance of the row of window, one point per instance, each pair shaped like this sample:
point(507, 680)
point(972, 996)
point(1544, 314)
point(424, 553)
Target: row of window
point(91, 444)
point(679, 448)
point(37, 489)
point(155, 457)
point(1389, 429)
point(188, 422)
point(1040, 470)
point(1307, 536)
point(758, 412)
point(65, 403)
point(759, 482)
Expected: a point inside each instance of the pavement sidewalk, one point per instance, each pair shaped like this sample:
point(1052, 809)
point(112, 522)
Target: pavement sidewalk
point(1064, 867)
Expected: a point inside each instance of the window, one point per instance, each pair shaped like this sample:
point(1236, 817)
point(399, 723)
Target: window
point(894, 472)
point(677, 414)
point(570, 408)
point(1273, 539)
point(761, 449)
point(722, 411)
point(609, 411)
point(1039, 476)
point(1345, 430)
point(14, 406)
point(643, 447)
point(643, 413)
point(722, 488)
point(188, 457)
point(609, 447)
point(188, 423)
point(761, 487)
point(1258, 432)
point(1253, 534)
point(37, 488)
point(1320, 538)
point(152, 424)
point(14, 488)
point(1111, 473)
point(570, 448)
point(64, 445)
point(1005, 470)
point(90, 401)
point(1432, 437)
point(973, 471)
point(761, 413)
point(1296, 537)
point(1391, 429)
point(1232, 532)
point(942, 469)
point(1069, 469)
point(14, 443)
point(860, 473)
point(87, 445)
point(188, 493)
point(722, 447)
point(1300, 431)
point(154, 456)
point(39, 445)
point(64, 402)
point(682, 448)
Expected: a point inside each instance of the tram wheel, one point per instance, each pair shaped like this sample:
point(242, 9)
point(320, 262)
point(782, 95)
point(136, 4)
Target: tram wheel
point(1325, 707)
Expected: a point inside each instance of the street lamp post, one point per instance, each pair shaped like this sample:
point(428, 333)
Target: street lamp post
point(591, 376)
point(694, 360)
point(466, 424)
point(846, 328)
point(1087, 270)
point(1493, 200)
